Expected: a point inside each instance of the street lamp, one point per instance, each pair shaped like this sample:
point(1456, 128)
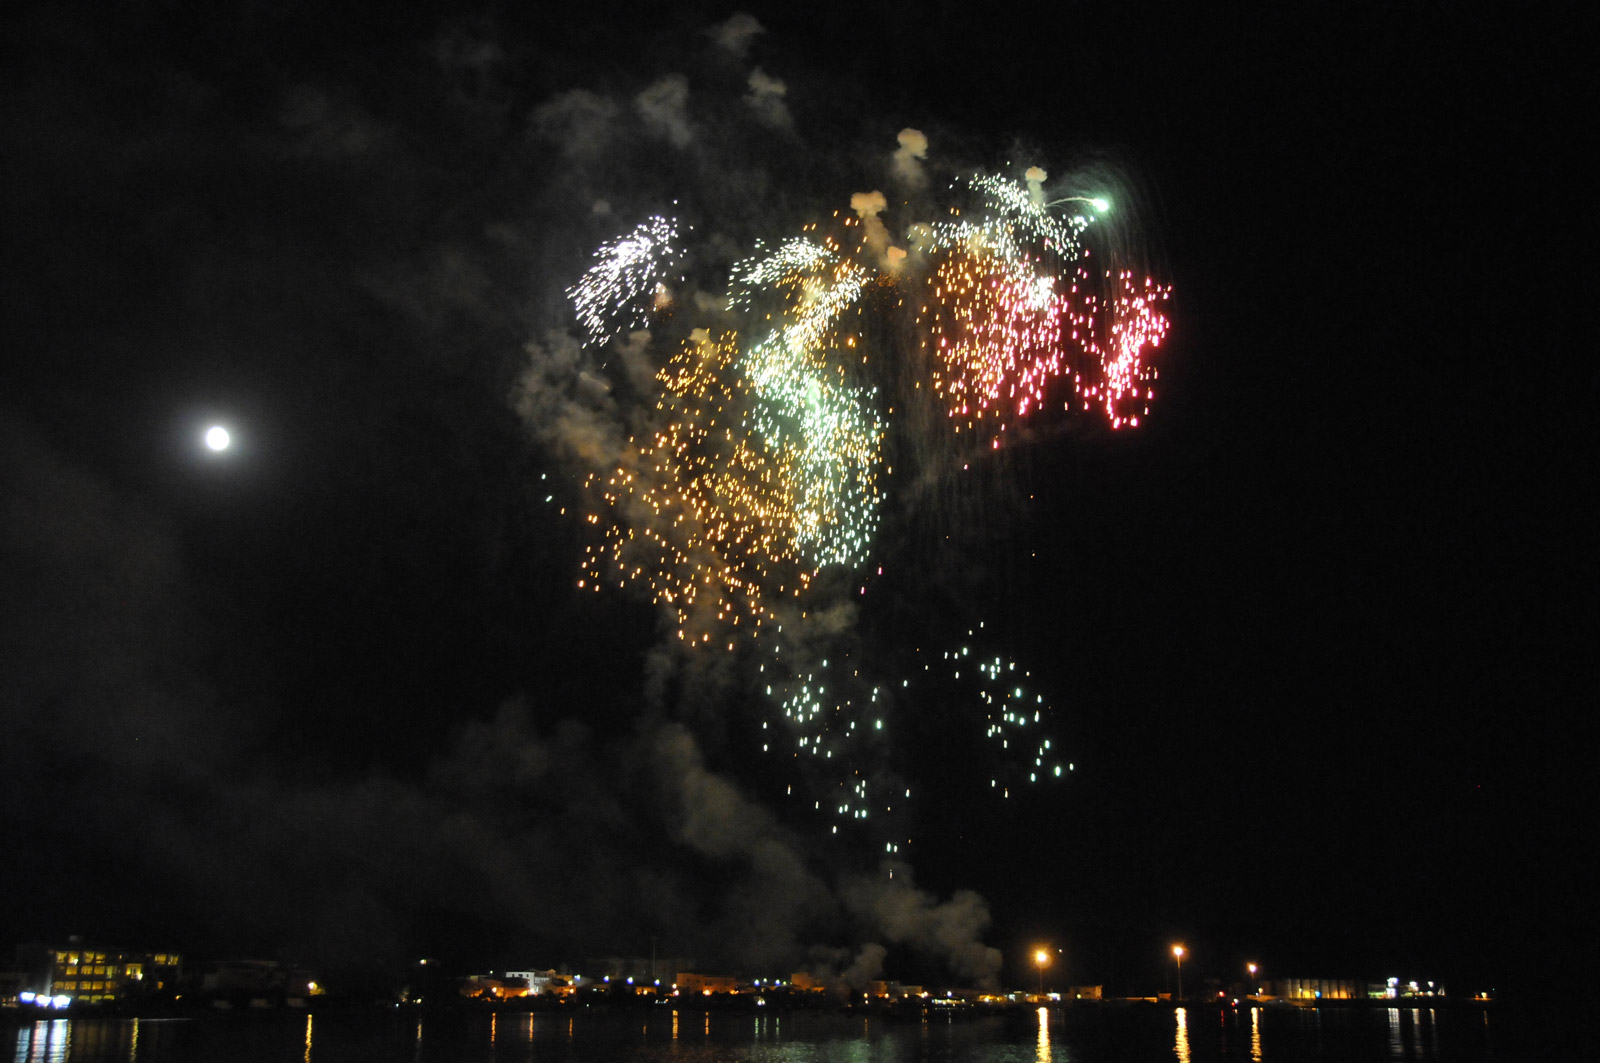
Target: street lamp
point(1041, 959)
point(1177, 953)
point(1255, 990)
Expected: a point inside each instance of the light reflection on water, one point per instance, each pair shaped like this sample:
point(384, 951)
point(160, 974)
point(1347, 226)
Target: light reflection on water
point(1413, 1034)
point(1072, 1035)
point(47, 1041)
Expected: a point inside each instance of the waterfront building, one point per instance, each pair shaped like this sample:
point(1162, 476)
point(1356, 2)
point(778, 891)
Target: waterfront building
point(94, 974)
point(706, 984)
point(1317, 989)
point(540, 982)
point(258, 983)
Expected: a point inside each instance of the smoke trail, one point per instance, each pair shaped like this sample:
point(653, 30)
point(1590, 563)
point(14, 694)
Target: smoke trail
point(725, 487)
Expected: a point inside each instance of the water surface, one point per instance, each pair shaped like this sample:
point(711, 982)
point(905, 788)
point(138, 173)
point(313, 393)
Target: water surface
point(1078, 1035)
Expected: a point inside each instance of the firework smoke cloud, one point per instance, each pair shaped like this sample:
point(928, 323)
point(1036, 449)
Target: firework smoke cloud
point(812, 329)
point(689, 334)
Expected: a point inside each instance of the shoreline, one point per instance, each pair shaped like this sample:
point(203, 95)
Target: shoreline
point(896, 1010)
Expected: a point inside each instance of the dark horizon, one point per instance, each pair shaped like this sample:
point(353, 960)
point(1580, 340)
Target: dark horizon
point(1057, 975)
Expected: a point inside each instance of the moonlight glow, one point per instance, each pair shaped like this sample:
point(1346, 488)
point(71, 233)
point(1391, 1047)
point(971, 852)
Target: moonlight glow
point(218, 439)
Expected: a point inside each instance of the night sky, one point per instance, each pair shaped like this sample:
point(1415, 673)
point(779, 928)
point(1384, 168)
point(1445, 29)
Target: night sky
point(1319, 634)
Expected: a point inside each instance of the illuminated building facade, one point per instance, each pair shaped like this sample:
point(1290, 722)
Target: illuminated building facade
point(94, 974)
point(706, 984)
point(1317, 989)
point(489, 987)
point(1347, 989)
point(540, 983)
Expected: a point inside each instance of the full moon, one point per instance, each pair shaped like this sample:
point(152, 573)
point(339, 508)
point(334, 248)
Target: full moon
point(217, 438)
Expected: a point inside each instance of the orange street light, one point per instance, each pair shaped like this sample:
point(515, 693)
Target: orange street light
point(1255, 990)
point(1177, 953)
point(1041, 959)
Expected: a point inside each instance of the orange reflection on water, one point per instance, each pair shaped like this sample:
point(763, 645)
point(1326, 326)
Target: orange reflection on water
point(308, 1038)
point(1255, 1035)
point(1044, 1035)
point(1180, 1046)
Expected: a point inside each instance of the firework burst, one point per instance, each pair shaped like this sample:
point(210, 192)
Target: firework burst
point(1011, 311)
point(756, 470)
point(627, 281)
